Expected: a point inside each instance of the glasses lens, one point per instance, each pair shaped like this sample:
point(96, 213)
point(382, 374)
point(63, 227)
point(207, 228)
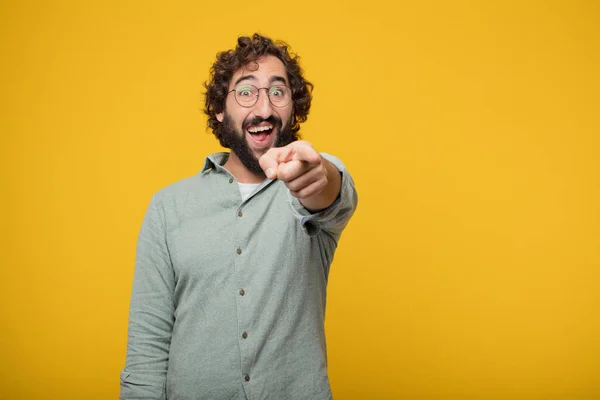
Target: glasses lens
point(246, 94)
point(280, 96)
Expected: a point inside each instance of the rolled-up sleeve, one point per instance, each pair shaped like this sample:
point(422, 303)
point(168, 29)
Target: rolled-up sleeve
point(151, 313)
point(334, 218)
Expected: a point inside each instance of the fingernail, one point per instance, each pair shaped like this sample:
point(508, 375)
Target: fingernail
point(269, 173)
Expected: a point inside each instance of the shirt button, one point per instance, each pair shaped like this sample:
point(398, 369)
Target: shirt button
point(230, 180)
point(247, 378)
point(239, 251)
point(242, 292)
point(240, 213)
point(245, 335)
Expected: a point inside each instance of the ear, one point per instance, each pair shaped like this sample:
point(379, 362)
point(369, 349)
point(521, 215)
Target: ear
point(219, 117)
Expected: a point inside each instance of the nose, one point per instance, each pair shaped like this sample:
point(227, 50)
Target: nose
point(263, 107)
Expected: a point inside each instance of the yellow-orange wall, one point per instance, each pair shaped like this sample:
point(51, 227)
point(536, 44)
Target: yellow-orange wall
point(471, 269)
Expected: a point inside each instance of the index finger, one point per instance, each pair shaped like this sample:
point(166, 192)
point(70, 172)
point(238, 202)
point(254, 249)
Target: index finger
point(303, 151)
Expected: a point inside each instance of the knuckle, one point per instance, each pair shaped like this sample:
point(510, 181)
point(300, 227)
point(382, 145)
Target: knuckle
point(323, 183)
point(286, 174)
point(321, 172)
point(293, 186)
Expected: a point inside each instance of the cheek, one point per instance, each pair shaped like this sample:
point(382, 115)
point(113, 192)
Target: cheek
point(236, 113)
point(286, 116)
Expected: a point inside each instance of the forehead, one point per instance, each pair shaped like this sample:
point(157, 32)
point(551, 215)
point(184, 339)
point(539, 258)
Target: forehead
point(264, 71)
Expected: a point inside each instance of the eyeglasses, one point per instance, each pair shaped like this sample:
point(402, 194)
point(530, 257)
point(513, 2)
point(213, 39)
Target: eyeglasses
point(247, 95)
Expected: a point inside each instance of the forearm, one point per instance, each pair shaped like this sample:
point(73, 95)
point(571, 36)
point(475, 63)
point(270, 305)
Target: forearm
point(145, 373)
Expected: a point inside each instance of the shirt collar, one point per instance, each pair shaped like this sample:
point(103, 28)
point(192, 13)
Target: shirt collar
point(215, 161)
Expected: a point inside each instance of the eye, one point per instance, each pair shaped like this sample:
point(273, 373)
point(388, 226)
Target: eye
point(276, 91)
point(244, 91)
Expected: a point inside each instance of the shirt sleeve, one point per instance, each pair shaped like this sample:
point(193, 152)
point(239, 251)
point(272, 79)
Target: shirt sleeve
point(334, 218)
point(151, 314)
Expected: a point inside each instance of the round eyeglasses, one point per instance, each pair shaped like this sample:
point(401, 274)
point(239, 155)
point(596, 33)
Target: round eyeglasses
point(247, 95)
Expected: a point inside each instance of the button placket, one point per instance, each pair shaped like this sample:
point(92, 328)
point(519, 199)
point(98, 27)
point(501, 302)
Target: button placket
point(242, 229)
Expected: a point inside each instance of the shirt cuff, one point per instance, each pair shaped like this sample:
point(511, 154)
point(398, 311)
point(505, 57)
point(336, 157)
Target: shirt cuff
point(310, 221)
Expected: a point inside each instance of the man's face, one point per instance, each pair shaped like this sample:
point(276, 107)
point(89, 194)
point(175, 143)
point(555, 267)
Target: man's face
point(251, 131)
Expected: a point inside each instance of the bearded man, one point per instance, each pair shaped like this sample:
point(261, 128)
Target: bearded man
point(231, 268)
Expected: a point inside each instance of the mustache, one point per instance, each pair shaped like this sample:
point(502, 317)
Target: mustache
point(273, 120)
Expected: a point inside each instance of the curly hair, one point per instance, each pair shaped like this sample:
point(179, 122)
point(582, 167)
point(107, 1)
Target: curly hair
point(249, 50)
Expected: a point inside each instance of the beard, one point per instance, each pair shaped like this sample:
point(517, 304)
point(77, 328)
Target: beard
point(236, 141)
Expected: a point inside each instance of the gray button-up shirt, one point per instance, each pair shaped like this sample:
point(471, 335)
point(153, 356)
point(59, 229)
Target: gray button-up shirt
point(228, 296)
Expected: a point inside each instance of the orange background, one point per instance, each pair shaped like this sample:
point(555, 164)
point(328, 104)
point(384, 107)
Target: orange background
point(471, 269)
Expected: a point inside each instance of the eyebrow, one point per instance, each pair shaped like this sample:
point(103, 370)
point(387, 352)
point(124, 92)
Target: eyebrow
point(272, 79)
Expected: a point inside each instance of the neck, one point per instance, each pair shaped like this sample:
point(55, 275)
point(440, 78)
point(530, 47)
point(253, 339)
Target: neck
point(239, 171)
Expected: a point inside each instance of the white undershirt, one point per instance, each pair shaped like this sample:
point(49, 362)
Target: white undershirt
point(247, 188)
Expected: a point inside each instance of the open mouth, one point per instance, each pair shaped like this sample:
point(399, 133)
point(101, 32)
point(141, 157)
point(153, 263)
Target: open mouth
point(261, 133)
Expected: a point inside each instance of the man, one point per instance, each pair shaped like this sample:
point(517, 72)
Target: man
point(231, 269)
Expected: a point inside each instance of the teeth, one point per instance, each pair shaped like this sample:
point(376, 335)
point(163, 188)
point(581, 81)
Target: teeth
point(257, 129)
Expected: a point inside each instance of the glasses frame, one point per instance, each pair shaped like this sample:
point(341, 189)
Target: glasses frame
point(258, 95)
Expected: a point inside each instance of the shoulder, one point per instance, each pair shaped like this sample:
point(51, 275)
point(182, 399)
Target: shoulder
point(180, 188)
point(194, 184)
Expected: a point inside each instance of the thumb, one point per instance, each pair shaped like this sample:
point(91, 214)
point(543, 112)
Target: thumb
point(269, 162)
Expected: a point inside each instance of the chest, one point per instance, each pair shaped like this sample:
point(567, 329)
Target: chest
point(215, 241)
